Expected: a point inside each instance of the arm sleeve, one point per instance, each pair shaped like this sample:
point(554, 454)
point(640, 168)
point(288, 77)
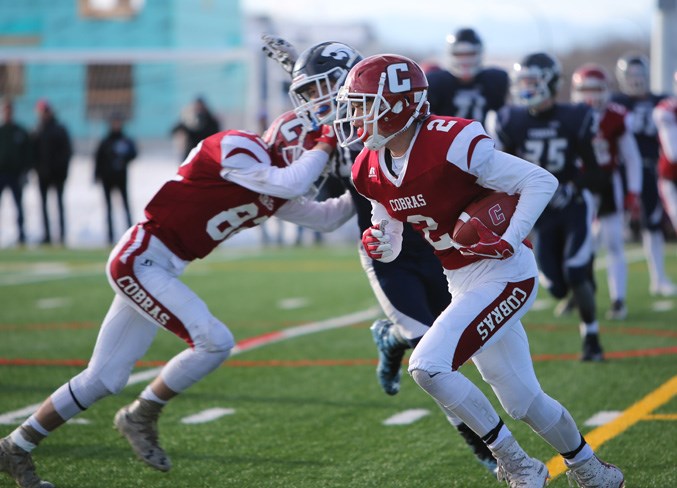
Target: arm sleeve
point(629, 151)
point(322, 216)
point(503, 172)
point(289, 182)
point(393, 228)
point(666, 122)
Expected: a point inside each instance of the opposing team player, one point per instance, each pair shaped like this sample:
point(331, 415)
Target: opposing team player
point(632, 74)
point(412, 291)
point(229, 182)
point(467, 89)
point(424, 170)
point(614, 141)
point(665, 118)
point(554, 136)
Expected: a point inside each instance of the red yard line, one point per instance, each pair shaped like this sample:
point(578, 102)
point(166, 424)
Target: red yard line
point(298, 363)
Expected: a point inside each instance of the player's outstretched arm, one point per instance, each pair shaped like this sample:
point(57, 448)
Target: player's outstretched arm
point(280, 50)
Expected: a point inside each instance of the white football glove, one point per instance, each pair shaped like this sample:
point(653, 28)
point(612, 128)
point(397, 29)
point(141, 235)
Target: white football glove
point(280, 50)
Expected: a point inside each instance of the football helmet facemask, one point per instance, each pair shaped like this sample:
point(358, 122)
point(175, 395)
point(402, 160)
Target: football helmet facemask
point(382, 96)
point(465, 53)
point(632, 74)
point(536, 79)
point(590, 85)
point(317, 75)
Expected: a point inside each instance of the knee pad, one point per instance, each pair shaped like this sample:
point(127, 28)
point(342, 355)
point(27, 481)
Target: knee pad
point(449, 388)
point(216, 339)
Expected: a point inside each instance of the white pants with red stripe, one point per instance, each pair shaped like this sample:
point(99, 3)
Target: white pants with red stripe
point(482, 323)
point(144, 275)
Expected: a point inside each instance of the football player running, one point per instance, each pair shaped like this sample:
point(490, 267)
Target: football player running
point(665, 118)
point(230, 181)
point(613, 143)
point(412, 291)
point(556, 136)
point(632, 74)
point(424, 170)
point(468, 89)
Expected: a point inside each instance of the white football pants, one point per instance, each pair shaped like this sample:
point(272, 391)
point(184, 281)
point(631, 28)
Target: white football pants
point(144, 275)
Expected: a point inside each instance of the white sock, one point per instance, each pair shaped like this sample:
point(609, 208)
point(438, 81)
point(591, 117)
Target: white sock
point(20, 441)
point(591, 328)
point(149, 394)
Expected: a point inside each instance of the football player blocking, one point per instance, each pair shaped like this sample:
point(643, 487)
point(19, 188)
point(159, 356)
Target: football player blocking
point(425, 170)
point(412, 291)
point(234, 180)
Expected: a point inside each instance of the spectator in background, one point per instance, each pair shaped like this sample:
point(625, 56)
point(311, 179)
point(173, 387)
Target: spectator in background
point(53, 151)
point(14, 162)
point(114, 153)
point(197, 124)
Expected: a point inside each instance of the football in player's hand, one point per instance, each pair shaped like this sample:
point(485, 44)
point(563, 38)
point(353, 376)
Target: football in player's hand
point(494, 210)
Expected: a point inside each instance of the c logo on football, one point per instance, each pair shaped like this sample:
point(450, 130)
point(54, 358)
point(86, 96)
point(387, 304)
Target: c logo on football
point(496, 214)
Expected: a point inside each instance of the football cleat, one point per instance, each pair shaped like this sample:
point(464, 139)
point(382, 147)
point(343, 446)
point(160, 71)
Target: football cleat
point(391, 350)
point(517, 468)
point(141, 433)
point(618, 311)
point(18, 464)
point(664, 289)
point(594, 473)
point(592, 350)
point(479, 448)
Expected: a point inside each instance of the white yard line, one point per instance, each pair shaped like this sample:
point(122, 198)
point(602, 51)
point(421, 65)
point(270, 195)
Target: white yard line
point(19, 415)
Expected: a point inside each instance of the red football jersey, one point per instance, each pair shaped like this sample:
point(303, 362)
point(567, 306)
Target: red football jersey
point(667, 169)
point(432, 192)
point(198, 209)
point(611, 128)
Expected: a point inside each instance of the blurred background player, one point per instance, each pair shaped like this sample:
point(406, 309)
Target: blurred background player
point(614, 143)
point(665, 118)
point(233, 181)
point(632, 74)
point(554, 136)
point(15, 161)
point(412, 291)
point(468, 89)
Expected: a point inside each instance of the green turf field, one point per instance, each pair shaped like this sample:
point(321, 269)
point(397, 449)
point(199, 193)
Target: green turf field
point(307, 411)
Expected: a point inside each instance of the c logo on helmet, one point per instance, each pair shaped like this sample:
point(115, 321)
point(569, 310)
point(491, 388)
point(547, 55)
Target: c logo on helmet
point(397, 84)
point(336, 51)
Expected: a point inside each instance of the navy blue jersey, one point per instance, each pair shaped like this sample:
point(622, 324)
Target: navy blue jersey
point(555, 140)
point(448, 95)
point(642, 124)
point(559, 140)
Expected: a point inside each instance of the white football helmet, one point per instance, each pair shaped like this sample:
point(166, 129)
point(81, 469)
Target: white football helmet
point(632, 74)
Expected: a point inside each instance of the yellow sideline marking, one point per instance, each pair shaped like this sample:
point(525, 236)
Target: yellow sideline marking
point(639, 411)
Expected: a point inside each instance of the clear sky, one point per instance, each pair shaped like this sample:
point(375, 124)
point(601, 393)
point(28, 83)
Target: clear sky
point(508, 27)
